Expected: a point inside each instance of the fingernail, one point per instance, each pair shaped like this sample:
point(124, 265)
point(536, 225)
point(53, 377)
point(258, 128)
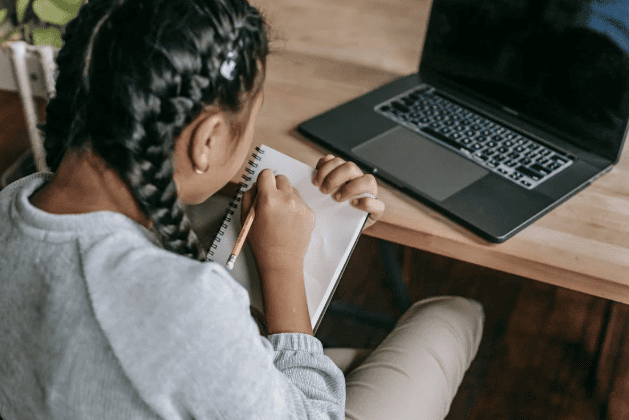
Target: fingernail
point(354, 201)
point(337, 196)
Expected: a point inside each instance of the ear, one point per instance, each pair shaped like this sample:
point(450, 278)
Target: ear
point(208, 141)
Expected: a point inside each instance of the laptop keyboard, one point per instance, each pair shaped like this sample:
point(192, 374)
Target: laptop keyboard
point(511, 155)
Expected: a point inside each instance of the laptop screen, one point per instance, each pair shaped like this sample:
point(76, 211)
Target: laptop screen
point(562, 63)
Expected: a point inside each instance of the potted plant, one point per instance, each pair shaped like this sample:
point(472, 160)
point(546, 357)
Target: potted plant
point(37, 22)
point(31, 30)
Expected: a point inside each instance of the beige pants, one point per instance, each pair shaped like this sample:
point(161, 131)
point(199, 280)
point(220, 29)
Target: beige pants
point(415, 372)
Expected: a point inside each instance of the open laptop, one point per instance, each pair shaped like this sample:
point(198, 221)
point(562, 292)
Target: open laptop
point(517, 106)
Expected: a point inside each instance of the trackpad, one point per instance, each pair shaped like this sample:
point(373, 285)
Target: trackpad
point(420, 162)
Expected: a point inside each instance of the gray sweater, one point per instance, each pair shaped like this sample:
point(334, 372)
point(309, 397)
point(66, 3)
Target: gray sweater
point(97, 322)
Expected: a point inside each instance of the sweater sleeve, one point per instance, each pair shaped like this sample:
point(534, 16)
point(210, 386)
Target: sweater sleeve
point(183, 334)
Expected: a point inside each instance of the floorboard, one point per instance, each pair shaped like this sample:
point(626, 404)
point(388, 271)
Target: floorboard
point(538, 348)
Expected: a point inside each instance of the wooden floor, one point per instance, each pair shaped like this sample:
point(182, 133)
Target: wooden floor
point(540, 342)
point(539, 349)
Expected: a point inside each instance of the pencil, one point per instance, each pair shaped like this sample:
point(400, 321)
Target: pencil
point(242, 236)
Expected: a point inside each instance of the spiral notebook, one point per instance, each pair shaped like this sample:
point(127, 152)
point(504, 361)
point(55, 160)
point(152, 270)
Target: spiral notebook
point(336, 231)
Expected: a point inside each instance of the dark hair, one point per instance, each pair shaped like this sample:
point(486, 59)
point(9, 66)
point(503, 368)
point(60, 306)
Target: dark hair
point(134, 73)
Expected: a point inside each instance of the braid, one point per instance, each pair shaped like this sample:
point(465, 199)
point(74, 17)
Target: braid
point(126, 91)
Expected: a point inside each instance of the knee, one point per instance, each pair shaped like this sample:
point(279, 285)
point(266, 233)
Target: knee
point(448, 319)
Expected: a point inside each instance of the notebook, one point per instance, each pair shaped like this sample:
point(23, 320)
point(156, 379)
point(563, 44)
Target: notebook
point(516, 107)
point(336, 231)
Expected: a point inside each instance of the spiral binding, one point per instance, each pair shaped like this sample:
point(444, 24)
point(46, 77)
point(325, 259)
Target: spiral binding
point(237, 198)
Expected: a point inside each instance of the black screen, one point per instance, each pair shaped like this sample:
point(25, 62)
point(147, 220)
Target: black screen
point(562, 63)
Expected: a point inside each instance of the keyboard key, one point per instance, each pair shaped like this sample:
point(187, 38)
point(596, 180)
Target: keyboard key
point(446, 140)
point(539, 168)
point(525, 183)
point(559, 160)
point(400, 106)
point(535, 176)
point(408, 101)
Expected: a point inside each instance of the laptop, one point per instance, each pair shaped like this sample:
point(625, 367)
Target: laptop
point(516, 107)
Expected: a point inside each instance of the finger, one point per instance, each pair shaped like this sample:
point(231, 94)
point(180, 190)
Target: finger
point(283, 184)
point(323, 160)
point(357, 186)
point(339, 176)
point(266, 182)
point(373, 206)
point(325, 169)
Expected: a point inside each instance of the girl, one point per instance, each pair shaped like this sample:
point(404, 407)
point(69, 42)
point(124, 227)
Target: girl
point(109, 308)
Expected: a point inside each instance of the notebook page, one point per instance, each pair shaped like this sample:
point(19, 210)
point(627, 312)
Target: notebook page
point(337, 228)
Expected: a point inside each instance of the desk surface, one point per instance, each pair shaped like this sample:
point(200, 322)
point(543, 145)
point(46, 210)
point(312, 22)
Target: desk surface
point(327, 52)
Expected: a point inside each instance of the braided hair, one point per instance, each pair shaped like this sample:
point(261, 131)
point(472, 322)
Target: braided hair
point(133, 73)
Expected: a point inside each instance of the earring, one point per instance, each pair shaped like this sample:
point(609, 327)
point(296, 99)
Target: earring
point(199, 171)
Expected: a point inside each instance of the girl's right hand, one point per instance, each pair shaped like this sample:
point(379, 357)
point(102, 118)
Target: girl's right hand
point(282, 228)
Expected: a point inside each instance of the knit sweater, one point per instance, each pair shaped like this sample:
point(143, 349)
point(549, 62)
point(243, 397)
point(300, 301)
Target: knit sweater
point(97, 321)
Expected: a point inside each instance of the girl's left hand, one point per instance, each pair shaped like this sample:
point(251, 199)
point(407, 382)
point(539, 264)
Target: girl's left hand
point(346, 180)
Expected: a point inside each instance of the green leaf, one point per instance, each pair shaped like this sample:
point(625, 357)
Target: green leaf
point(8, 35)
point(21, 9)
point(58, 12)
point(3, 14)
point(47, 36)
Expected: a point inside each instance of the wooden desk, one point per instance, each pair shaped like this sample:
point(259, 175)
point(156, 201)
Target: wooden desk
point(331, 51)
